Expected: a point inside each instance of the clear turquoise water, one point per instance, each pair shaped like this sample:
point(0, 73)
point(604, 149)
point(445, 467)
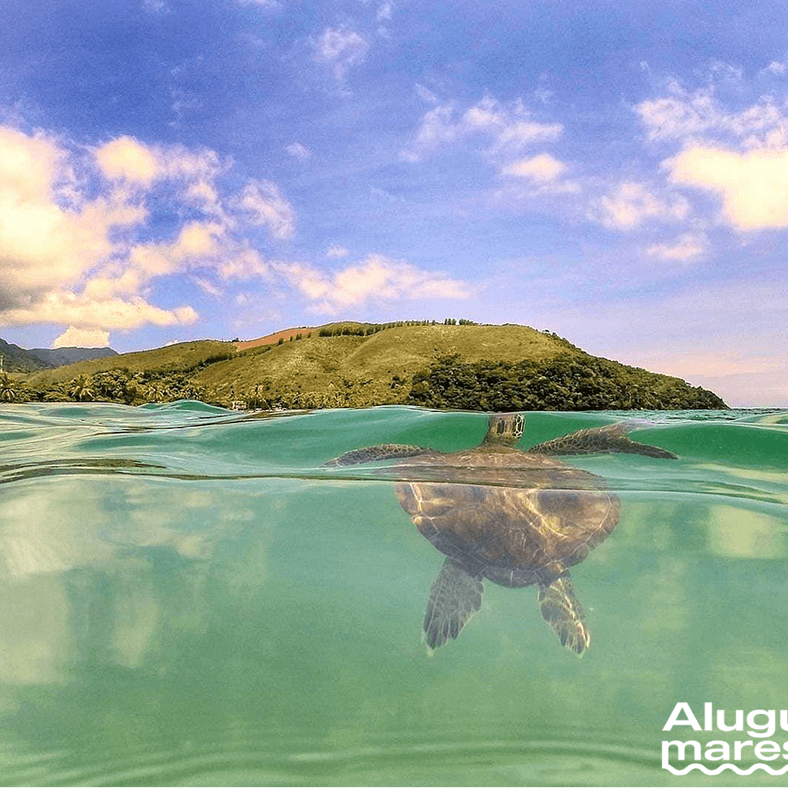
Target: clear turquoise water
point(189, 598)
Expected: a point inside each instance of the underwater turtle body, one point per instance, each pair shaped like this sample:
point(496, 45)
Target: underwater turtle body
point(513, 517)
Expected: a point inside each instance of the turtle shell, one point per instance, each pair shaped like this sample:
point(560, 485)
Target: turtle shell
point(512, 517)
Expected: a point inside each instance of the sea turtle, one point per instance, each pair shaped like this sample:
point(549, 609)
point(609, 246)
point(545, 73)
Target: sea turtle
point(514, 517)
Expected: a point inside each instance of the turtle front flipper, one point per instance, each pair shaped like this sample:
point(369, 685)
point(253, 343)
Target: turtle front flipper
point(612, 438)
point(384, 451)
point(562, 611)
point(455, 596)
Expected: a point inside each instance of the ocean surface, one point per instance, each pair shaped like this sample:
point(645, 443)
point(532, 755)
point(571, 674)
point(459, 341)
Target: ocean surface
point(188, 597)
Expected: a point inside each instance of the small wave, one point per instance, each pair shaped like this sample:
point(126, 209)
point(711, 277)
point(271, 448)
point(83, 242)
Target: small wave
point(292, 763)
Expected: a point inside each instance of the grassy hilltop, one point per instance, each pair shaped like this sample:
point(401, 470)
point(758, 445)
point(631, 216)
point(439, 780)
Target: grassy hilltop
point(478, 367)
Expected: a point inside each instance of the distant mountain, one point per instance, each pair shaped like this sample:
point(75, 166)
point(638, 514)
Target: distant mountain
point(61, 356)
point(16, 359)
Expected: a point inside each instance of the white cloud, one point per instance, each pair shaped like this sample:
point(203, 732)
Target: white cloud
point(777, 68)
point(109, 313)
point(246, 263)
point(131, 162)
point(692, 116)
point(341, 49)
point(85, 253)
point(376, 278)
point(82, 337)
point(688, 247)
point(335, 251)
point(155, 7)
point(207, 286)
point(204, 195)
point(298, 150)
point(42, 241)
point(535, 176)
point(753, 185)
point(425, 94)
point(543, 168)
point(632, 203)
point(508, 128)
point(262, 204)
point(126, 159)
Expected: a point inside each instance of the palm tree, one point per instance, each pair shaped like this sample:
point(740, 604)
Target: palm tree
point(81, 388)
point(7, 391)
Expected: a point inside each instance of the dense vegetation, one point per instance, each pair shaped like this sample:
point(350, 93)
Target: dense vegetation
point(562, 383)
point(454, 364)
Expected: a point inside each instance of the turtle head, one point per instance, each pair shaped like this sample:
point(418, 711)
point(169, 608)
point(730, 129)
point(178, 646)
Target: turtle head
point(505, 429)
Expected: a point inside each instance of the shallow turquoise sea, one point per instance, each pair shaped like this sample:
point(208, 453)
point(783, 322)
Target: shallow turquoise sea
point(188, 597)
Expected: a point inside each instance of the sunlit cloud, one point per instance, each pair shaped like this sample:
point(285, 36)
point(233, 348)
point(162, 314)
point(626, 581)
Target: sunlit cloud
point(84, 253)
point(776, 68)
point(688, 247)
point(631, 204)
point(298, 150)
point(261, 203)
point(82, 337)
point(691, 116)
point(506, 128)
point(126, 159)
point(375, 279)
point(753, 185)
point(340, 49)
point(542, 173)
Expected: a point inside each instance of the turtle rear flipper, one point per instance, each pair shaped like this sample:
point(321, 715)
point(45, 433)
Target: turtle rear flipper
point(562, 611)
point(384, 451)
point(455, 596)
point(612, 438)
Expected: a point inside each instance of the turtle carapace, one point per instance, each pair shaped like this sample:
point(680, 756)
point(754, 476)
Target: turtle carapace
point(517, 518)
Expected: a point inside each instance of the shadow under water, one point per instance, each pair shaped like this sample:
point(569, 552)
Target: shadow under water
point(192, 597)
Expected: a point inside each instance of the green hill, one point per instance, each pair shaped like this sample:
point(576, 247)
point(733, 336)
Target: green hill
point(17, 359)
point(59, 357)
point(349, 364)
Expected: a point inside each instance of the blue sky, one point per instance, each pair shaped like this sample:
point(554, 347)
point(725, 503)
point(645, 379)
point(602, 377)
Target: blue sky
point(616, 172)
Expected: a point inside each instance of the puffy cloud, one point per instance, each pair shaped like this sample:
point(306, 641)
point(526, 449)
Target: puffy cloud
point(739, 154)
point(542, 168)
point(685, 115)
point(83, 253)
point(753, 185)
point(262, 204)
point(126, 159)
point(631, 203)
point(246, 263)
point(43, 241)
point(543, 173)
point(376, 278)
point(508, 128)
point(107, 313)
point(341, 49)
point(777, 68)
point(82, 337)
point(298, 150)
point(688, 247)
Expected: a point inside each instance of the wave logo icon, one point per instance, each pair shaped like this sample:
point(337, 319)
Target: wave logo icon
point(736, 756)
